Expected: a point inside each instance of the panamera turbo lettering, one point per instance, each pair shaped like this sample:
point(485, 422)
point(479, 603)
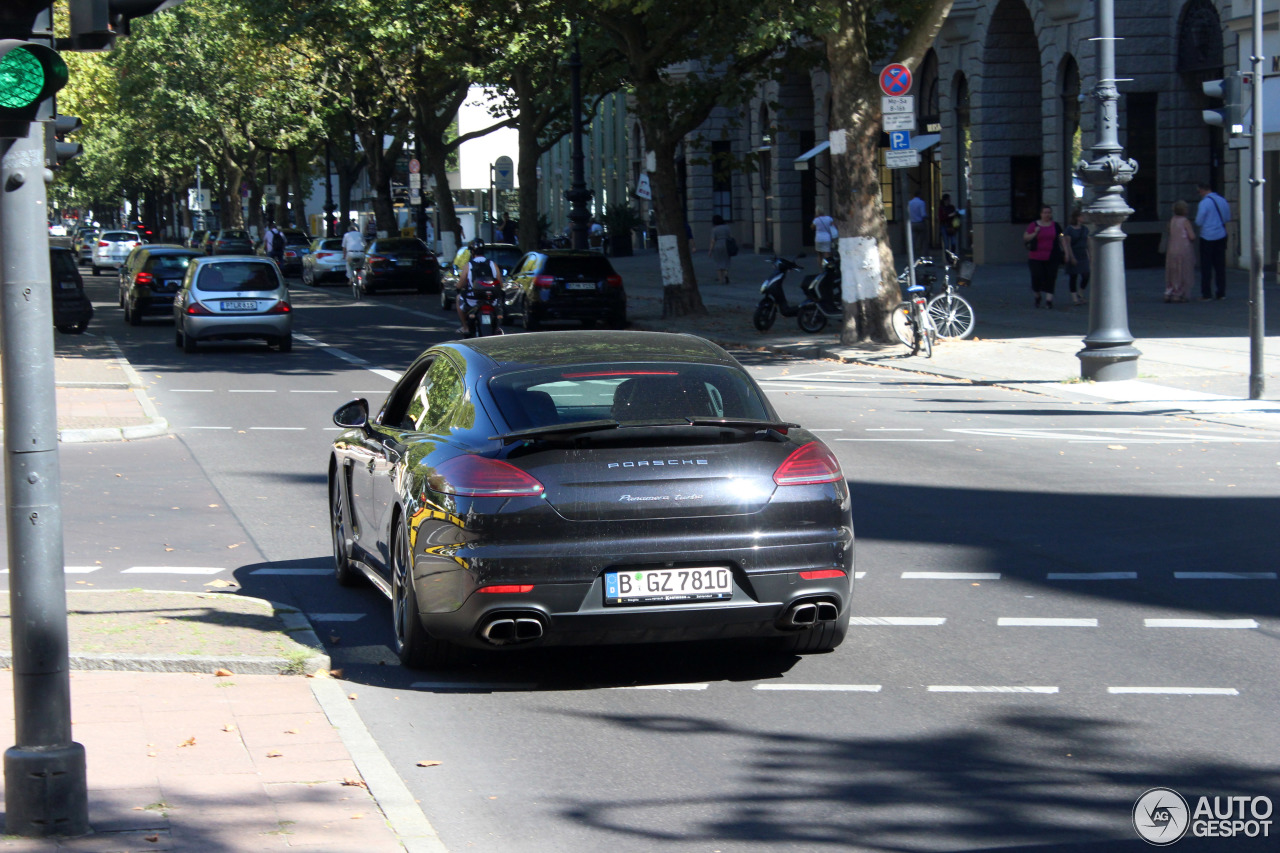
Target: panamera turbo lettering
point(657, 463)
point(631, 498)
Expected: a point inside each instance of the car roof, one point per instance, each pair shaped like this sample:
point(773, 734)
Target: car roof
point(169, 249)
point(205, 260)
point(507, 352)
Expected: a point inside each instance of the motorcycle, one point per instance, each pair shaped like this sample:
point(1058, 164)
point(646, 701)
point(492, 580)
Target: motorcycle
point(823, 301)
point(774, 301)
point(484, 314)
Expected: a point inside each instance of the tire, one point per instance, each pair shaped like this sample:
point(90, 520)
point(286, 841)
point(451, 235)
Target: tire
point(308, 280)
point(132, 315)
point(188, 343)
point(446, 304)
point(902, 326)
point(952, 316)
point(766, 313)
point(177, 336)
point(530, 319)
point(927, 333)
point(343, 571)
point(618, 322)
point(415, 648)
point(285, 343)
point(811, 318)
point(94, 269)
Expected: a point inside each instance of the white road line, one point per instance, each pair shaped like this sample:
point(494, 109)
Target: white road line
point(951, 576)
point(967, 688)
point(898, 620)
point(895, 429)
point(836, 429)
point(1092, 576)
point(1225, 576)
point(333, 429)
point(280, 429)
point(190, 390)
point(347, 357)
point(929, 440)
point(832, 688)
point(859, 574)
point(1039, 622)
point(1236, 624)
point(251, 391)
point(293, 572)
point(662, 687)
point(70, 570)
point(335, 617)
point(205, 427)
point(470, 685)
point(299, 391)
point(1176, 691)
point(172, 570)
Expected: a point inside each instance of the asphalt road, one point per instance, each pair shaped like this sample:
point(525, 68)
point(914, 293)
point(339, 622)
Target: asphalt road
point(1059, 606)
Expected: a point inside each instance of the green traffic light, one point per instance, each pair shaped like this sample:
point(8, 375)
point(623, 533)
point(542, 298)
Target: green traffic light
point(24, 79)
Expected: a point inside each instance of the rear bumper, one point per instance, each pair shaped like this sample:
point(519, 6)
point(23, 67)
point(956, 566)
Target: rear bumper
point(258, 326)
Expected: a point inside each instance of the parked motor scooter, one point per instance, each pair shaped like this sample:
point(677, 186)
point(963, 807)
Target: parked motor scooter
point(774, 299)
point(823, 301)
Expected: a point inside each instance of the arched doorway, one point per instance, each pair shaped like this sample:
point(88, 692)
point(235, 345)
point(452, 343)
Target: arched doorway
point(1069, 86)
point(1200, 58)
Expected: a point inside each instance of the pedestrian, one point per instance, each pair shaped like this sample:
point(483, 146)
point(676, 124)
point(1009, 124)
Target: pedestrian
point(595, 235)
point(508, 229)
point(274, 243)
point(949, 224)
point(1212, 215)
point(824, 234)
point(721, 234)
point(1079, 257)
point(1179, 257)
point(352, 249)
point(919, 214)
point(1047, 248)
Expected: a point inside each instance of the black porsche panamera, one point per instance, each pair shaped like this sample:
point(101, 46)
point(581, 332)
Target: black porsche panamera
point(589, 487)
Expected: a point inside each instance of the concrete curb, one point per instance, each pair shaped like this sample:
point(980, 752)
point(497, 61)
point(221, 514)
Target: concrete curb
point(402, 811)
point(157, 426)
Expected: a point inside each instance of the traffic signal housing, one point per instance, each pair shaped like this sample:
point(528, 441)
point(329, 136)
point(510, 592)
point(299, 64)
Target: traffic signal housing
point(30, 73)
point(1230, 90)
point(57, 151)
point(96, 23)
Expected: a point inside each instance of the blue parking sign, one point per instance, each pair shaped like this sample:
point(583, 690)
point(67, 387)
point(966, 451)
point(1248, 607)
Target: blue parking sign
point(899, 140)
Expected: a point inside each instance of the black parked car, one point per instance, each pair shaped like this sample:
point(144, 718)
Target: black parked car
point(151, 278)
point(564, 284)
point(589, 487)
point(399, 262)
point(72, 309)
point(229, 241)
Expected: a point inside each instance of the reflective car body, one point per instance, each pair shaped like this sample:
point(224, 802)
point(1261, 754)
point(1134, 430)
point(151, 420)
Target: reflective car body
point(505, 255)
point(72, 309)
point(150, 280)
point(236, 297)
point(111, 248)
point(563, 284)
point(398, 262)
point(324, 261)
point(589, 487)
point(230, 241)
point(197, 239)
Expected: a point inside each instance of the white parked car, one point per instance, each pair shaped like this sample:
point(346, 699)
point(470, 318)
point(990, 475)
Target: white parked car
point(112, 248)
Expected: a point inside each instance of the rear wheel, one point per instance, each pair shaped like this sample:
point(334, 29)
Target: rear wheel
point(414, 646)
point(285, 343)
point(131, 314)
point(766, 313)
point(903, 327)
point(531, 321)
point(343, 572)
point(952, 316)
point(811, 318)
point(94, 269)
point(188, 342)
point(926, 332)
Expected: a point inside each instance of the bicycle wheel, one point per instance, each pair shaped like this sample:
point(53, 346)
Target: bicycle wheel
point(904, 326)
point(926, 331)
point(952, 316)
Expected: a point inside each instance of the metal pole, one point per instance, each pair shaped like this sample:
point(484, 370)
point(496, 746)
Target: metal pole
point(420, 221)
point(328, 190)
point(44, 773)
point(1108, 352)
point(1257, 330)
point(199, 200)
point(578, 194)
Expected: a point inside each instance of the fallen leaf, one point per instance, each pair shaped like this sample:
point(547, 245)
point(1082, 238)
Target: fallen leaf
point(222, 673)
point(335, 639)
point(336, 673)
point(152, 838)
point(229, 727)
point(352, 697)
point(191, 741)
point(152, 754)
point(119, 475)
point(237, 545)
point(319, 673)
point(291, 731)
point(355, 783)
point(429, 763)
point(168, 549)
point(275, 753)
point(213, 506)
point(220, 583)
point(357, 816)
point(1116, 447)
point(138, 808)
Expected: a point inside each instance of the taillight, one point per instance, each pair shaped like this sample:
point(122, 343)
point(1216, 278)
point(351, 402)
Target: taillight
point(375, 259)
point(822, 574)
point(507, 588)
point(280, 308)
point(809, 464)
point(544, 281)
point(144, 278)
point(198, 309)
point(613, 281)
point(289, 253)
point(481, 477)
point(102, 243)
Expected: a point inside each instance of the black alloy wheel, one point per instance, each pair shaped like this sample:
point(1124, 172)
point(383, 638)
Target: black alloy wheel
point(414, 646)
point(529, 318)
point(343, 571)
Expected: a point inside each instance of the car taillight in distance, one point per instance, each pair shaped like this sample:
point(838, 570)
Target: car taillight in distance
point(375, 259)
point(613, 281)
point(280, 308)
point(544, 281)
point(481, 477)
point(144, 278)
point(197, 309)
point(807, 465)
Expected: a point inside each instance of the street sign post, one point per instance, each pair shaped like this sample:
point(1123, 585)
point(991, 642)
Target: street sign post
point(902, 159)
point(504, 174)
point(895, 79)
point(899, 140)
point(898, 121)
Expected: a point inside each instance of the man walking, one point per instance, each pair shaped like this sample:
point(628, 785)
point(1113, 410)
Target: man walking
point(919, 214)
point(1212, 215)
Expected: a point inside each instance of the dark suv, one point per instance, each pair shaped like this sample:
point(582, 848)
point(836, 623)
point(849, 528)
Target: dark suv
point(150, 280)
point(230, 241)
point(564, 284)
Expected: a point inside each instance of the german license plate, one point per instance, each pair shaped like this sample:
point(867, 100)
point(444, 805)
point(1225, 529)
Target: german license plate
point(404, 262)
point(666, 586)
point(580, 285)
point(239, 306)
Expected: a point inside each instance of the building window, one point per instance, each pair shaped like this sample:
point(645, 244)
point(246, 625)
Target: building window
point(1024, 188)
point(887, 191)
point(722, 180)
point(1141, 145)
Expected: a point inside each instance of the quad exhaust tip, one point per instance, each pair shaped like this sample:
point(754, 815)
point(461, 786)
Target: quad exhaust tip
point(806, 614)
point(507, 630)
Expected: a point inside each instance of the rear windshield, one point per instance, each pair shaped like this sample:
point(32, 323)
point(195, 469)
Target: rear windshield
point(330, 246)
point(117, 236)
point(625, 392)
point(235, 235)
point(401, 246)
point(296, 239)
point(169, 263)
point(590, 267)
point(63, 264)
point(232, 277)
point(505, 258)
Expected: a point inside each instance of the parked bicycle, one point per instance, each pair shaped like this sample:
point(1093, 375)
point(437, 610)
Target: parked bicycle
point(911, 321)
point(953, 317)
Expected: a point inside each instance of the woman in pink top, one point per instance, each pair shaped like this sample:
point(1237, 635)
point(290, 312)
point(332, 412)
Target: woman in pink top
point(1047, 248)
point(1179, 259)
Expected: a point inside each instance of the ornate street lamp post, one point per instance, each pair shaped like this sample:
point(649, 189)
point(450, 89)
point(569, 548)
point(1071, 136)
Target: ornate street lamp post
point(328, 190)
point(1108, 352)
point(578, 194)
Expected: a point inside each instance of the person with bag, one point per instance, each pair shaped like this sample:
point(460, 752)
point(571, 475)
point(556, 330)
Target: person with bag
point(1047, 248)
point(721, 234)
point(478, 269)
point(1212, 215)
point(1179, 258)
point(824, 235)
point(274, 243)
point(949, 223)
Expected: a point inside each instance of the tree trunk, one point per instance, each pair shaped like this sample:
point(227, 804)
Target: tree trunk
point(232, 213)
point(446, 213)
point(381, 163)
point(680, 294)
point(299, 197)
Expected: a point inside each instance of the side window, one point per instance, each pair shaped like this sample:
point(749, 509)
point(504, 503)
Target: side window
point(438, 396)
point(396, 410)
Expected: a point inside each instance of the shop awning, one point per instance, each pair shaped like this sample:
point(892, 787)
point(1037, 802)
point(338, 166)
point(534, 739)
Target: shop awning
point(925, 141)
point(802, 162)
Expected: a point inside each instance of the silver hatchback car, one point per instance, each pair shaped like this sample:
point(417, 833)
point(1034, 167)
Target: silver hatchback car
point(233, 297)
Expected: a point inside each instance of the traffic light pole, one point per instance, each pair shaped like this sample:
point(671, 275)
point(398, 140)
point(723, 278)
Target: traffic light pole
point(1257, 322)
point(44, 773)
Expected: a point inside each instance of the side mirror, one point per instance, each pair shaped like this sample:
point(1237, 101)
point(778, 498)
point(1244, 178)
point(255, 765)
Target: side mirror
point(353, 415)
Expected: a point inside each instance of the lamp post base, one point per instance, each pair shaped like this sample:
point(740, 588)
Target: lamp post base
point(1109, 364)
point(45, 791)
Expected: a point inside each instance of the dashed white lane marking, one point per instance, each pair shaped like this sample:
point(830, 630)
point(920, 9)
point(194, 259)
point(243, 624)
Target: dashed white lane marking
point(348, 357)
point(662, 687)
point(293, 572)
point(926, 440)
point(70, 570)
point(951, 576)
point(470, 685)
point(970, 688)
point(1044, 622)
point(280, 429)
point(834, 429)
point(1092, 435)
point(335, 617)
point(824, 688)
point(301, 391)
point(1235, 624)
point(173, 570)
point(895, 429)
point(1225, 576)
point(898, 620)
point(859, 574)
point(190, 390)
point(1092, 576)
point(251, 391)
point(1177, 691)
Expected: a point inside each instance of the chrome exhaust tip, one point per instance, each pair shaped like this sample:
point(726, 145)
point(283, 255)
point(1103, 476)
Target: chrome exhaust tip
point(827, 611)
point(499, 631)
point(800, 615)
point(528, 629)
